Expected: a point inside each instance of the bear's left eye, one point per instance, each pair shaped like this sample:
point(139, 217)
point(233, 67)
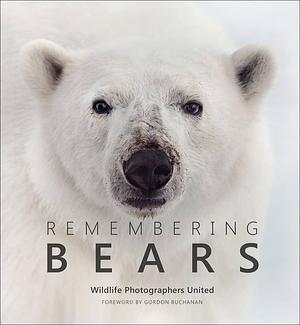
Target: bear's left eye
point(193, 108)
point(101, 107)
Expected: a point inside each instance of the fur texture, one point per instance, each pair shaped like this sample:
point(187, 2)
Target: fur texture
point(62, 161)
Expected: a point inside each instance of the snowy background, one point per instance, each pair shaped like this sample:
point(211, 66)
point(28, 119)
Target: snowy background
point(274, 23)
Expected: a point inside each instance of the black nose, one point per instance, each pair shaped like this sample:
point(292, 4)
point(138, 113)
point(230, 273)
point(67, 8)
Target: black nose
point(148, 169)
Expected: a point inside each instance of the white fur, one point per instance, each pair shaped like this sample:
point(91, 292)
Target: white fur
point(59, 158)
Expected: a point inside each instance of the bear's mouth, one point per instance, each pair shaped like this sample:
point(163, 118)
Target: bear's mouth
point(145, 203)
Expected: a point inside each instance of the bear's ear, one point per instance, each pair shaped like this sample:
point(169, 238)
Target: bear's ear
point(254, 69)
point(43, 63)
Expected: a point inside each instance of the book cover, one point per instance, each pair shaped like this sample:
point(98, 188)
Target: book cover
point(149, 162)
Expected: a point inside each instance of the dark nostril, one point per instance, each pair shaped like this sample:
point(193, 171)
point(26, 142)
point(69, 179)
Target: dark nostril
point(140, 170)
point(162, 170)
point(148, 169)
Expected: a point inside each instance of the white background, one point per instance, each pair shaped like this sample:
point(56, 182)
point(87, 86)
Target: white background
point(274, 23)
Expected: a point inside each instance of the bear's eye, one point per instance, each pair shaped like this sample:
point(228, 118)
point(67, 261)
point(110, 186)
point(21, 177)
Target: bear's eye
point(101, 107)
point(193, 108)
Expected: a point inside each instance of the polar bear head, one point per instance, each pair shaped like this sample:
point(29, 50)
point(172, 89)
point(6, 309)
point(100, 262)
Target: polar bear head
point(145, 132)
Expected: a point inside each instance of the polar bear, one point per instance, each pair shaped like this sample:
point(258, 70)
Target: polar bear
point(124, 112)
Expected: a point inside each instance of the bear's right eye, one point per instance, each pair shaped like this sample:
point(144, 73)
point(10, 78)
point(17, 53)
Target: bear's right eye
point(101, 107)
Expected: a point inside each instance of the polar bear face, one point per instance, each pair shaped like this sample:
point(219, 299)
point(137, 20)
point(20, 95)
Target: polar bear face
point(145, 133)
